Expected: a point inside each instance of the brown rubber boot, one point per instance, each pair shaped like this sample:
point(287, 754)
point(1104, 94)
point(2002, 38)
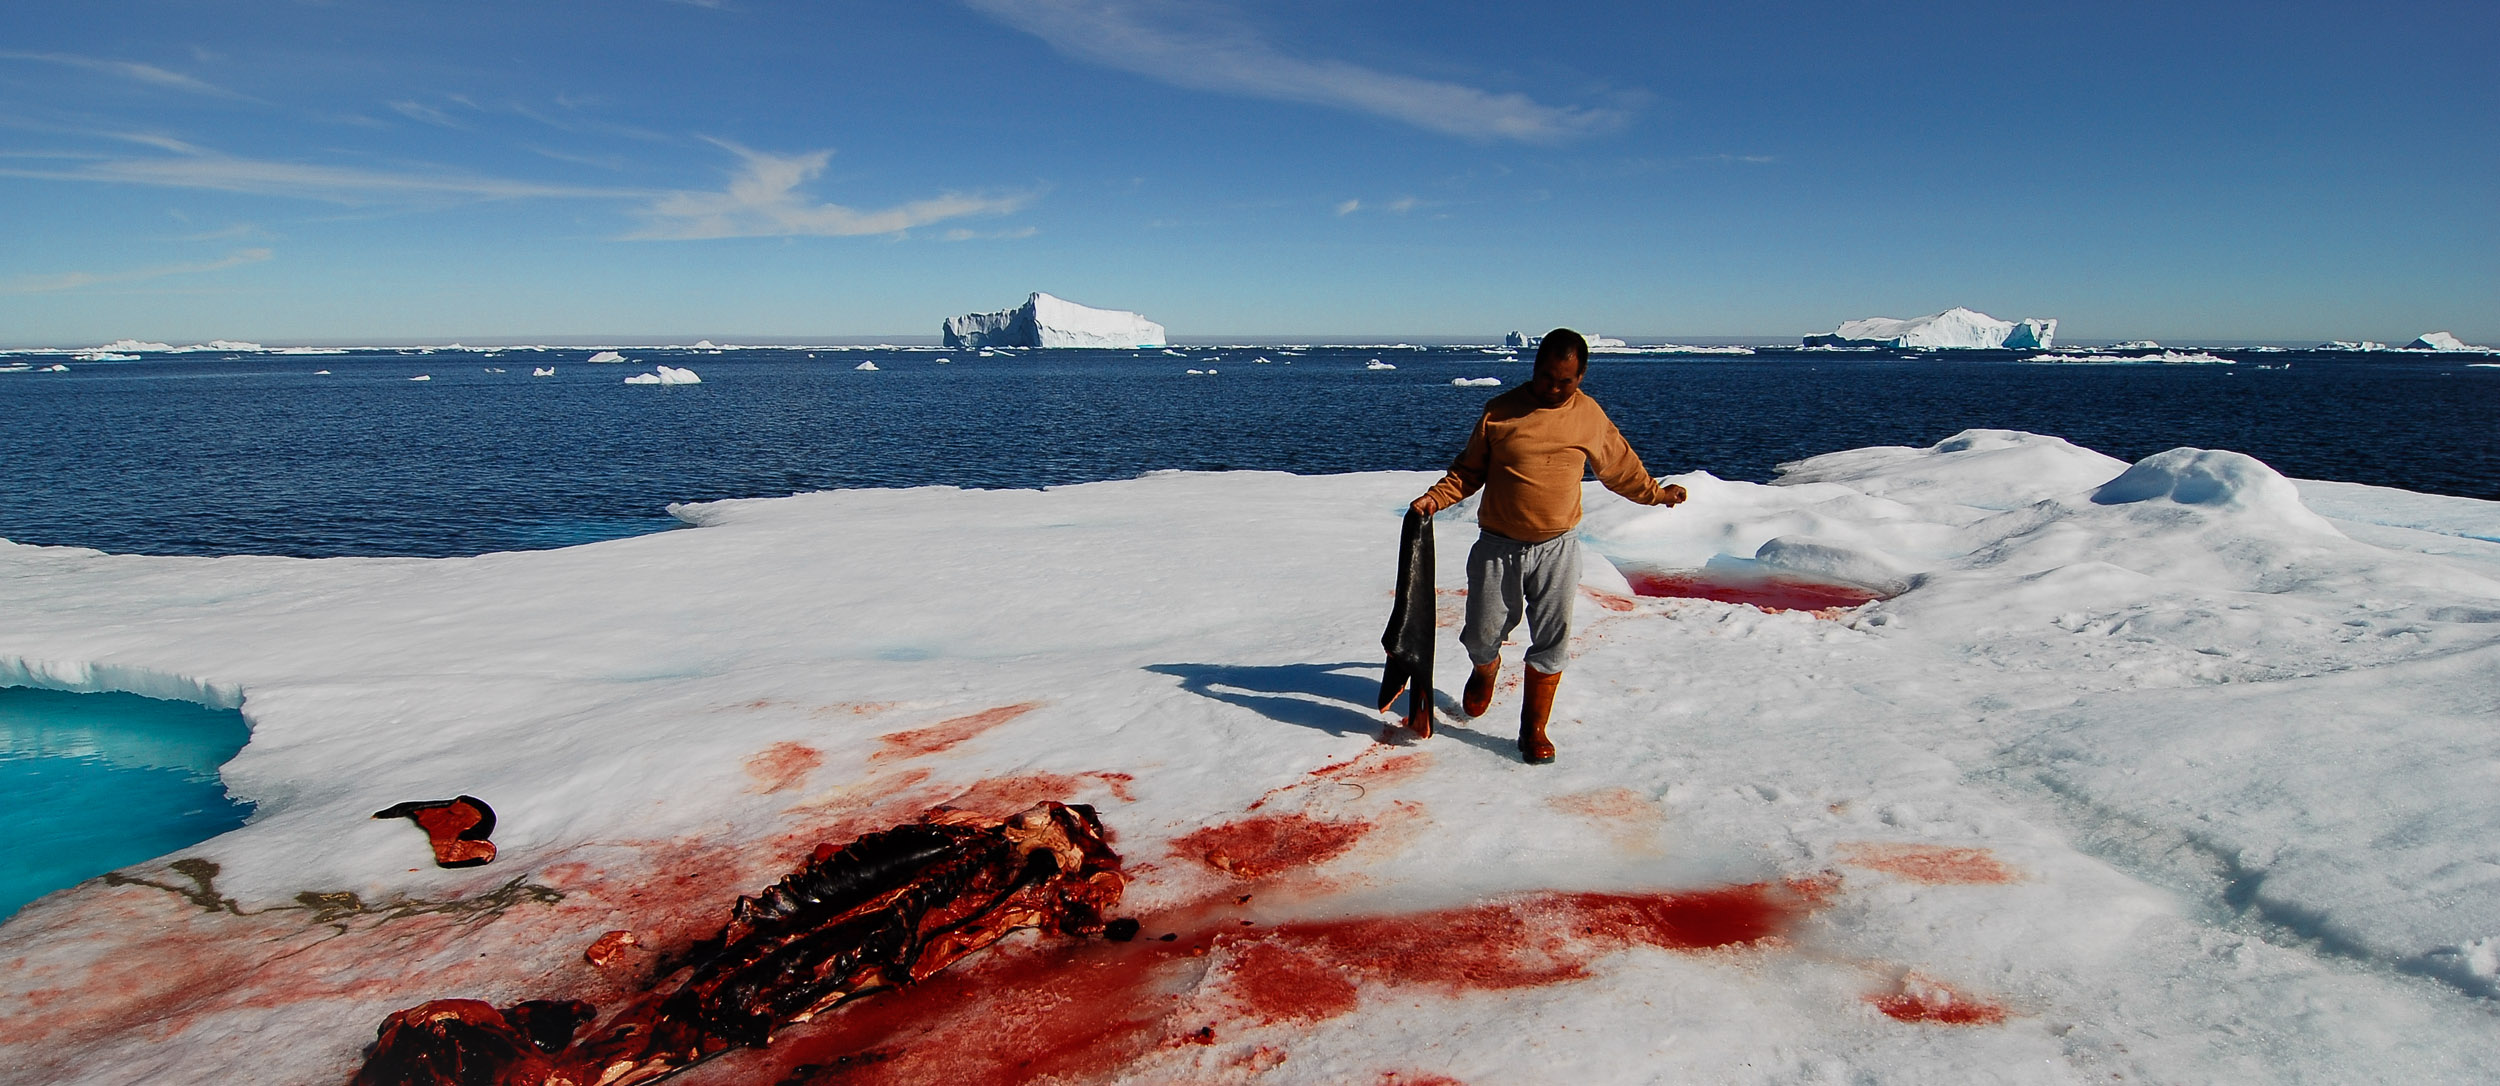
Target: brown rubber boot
point(1536, 704)
point(1480, 687)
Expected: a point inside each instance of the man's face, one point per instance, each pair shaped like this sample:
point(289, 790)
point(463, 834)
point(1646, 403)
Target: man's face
point(1557, 381)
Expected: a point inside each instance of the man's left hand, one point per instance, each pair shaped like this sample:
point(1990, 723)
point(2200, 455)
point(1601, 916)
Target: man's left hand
point(1672, 495)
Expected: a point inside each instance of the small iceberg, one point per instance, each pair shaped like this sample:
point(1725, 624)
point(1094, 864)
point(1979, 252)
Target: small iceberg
point(422, 377)
point(321, 373)
point(666, 375)
point(2442, 341)
point(1376, 364)
point(1476, 382)
point(1202, 373)
point(105, 356)
point(494, 369)
point(872, 367)
point(607, 356)
point(537, 371)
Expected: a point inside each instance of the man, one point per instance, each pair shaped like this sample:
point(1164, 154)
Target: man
point(1528, 453)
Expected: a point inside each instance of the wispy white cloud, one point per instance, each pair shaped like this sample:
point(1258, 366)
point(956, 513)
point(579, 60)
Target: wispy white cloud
point(132, 70)
point(962, 234)
point(762, 200)
point(194, 167)
point(425, 114)
point(48, 284)
point(1399, 206)
point(1193, 45)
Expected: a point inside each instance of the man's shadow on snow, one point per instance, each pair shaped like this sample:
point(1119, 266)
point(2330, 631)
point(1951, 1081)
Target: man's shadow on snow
point(1333, 698)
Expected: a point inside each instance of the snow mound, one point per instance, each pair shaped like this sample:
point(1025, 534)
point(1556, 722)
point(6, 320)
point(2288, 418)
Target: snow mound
point(2212, 480)
point(1953, 329)
point(1047, 321)
point(665, 375)
point(2442, 341)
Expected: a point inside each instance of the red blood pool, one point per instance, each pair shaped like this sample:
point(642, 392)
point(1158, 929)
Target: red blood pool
point(783, 764)
point(1930, 863)
point(1307, 971)
point(1255, 848)
point(947, 733)
point(1065, 1011)
point(1924, 1000)
point(1912, 1008)
point(1768, 593)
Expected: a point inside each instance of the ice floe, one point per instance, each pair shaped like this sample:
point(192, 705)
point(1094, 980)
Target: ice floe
point(666, 375)
point(2174, 770)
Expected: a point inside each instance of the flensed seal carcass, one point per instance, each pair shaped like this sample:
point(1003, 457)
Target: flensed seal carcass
point(883, 911)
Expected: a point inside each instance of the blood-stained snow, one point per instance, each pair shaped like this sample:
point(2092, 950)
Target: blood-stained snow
point(2173, 771)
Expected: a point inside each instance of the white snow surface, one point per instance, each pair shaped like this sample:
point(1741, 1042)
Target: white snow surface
point(1955, 328)
point(1048, 321)
point(2185, 769)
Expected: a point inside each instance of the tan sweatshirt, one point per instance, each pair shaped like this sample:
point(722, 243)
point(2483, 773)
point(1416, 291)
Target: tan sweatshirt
point(1528, 459)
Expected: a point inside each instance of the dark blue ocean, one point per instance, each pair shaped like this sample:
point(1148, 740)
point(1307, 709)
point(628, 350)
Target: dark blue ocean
point(260, 454)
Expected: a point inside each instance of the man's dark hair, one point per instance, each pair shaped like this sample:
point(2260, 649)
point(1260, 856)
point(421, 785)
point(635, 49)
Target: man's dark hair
point(1563, 343)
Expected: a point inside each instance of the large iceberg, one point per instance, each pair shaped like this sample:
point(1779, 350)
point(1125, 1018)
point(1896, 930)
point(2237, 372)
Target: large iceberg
point(1047, 321)
point(2442, 341)
point(1954, 328)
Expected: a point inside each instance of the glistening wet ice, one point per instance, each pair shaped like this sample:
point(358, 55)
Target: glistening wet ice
point(96, 782)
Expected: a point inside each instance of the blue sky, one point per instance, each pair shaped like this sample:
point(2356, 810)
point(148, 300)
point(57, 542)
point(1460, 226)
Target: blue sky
point(300, 171)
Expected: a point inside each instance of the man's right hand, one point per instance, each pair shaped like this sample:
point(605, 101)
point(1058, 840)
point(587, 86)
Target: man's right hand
point(1424, 506)
point(1672, 495)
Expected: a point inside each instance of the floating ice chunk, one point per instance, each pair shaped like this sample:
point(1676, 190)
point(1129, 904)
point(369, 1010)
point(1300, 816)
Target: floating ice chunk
point(2170, 357)
point(1376, 364)
point(1597, 341)
point(321, 373)
point(607, 356)
point(1956, 328)
point(1047, 321)
point(1476, 382)
point(2350, 345)
point(422, 377)
point(1516, 340)
point(1202, 373)
point(666, 375)
point(104, 356)
point(129, 345)
point(2443, 341)
point(540, 371)
point(872, 367)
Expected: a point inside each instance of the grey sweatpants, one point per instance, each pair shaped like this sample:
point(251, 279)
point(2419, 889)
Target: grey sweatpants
point(1504, 573)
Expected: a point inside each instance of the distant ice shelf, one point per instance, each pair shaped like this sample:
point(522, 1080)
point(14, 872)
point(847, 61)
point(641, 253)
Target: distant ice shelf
point(1954, 329)
point(1048, 321)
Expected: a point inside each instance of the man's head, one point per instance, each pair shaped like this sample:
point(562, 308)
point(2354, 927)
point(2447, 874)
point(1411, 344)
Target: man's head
point(1562, 358)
